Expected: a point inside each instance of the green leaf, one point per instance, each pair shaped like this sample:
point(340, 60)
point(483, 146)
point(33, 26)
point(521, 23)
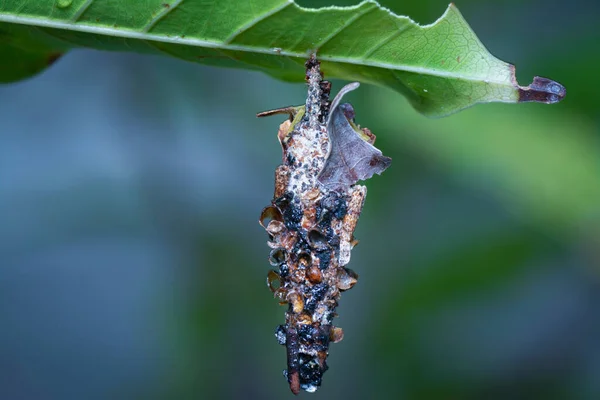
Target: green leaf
point(441, 68)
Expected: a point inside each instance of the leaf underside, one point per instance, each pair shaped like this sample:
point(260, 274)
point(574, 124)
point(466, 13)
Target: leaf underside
point(441, 68)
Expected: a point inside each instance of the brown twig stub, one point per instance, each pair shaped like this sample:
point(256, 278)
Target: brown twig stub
point(310, 223)
point(283, 110)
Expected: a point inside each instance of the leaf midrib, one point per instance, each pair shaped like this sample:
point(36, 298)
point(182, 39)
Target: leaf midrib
point(132, 34)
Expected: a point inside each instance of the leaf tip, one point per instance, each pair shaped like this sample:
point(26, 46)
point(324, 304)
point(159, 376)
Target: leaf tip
point(542, 90)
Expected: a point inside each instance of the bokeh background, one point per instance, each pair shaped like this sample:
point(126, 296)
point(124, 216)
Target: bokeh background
point(132, 264)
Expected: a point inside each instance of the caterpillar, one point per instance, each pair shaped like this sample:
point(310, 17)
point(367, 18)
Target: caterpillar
point(311, 219)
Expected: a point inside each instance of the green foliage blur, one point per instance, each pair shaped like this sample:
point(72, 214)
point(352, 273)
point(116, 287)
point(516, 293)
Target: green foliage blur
point(132, 264)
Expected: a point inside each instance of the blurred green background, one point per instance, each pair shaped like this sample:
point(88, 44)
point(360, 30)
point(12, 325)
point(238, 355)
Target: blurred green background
point(132, 264)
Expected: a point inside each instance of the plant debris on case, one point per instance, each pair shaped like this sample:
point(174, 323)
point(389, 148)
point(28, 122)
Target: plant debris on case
point(311, 221)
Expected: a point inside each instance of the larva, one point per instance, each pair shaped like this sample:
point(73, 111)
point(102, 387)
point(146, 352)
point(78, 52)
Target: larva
point(311, 221)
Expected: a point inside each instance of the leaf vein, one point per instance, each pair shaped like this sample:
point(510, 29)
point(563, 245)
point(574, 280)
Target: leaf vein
point(384, 42)
point(132, 34)
point(81, 10)
point(346, 24)
point(256, 20)
point(163, 13)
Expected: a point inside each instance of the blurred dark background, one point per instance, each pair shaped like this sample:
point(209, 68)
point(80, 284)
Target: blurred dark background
point(132, 264)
